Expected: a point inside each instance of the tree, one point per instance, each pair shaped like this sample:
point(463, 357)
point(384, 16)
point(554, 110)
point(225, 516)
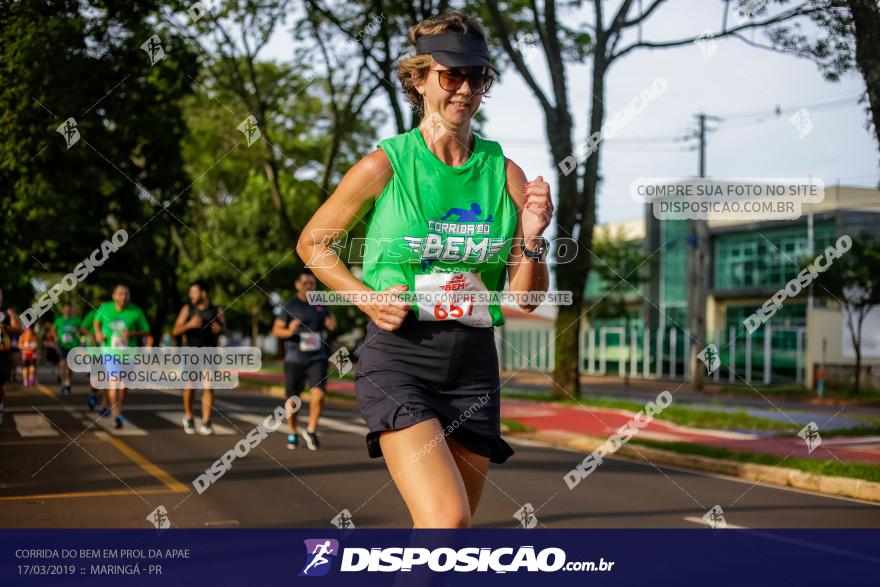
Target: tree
point(230, 39)
point(620, 261)
point(853, 280)
point(382, 46)
point(848, 40)
point(519, 24)
point(228, 239)
point(123, 170)
point(348, 95)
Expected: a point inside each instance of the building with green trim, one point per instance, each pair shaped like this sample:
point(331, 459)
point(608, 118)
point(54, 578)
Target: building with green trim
point(748, 262)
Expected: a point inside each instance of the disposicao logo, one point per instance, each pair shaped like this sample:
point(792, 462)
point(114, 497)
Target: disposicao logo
point(320, 553)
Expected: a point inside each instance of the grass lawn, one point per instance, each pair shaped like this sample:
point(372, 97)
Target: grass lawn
point(516, 425)
point(803, 392)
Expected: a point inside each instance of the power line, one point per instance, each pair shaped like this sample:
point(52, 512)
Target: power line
point(779, 110)
point(689, 134)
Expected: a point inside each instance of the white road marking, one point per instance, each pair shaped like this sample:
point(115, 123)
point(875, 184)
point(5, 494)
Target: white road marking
point(256, 420)
point(703, 522)
point(177, 418)
point(342, 426)
point(84, 409)
point(34, 425)
point(129, 428)
point(325, 422)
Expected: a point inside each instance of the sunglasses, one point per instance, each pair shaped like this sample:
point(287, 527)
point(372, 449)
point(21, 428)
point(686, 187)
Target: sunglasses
point(479, 81)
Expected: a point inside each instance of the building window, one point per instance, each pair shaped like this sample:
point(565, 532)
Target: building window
point(768, 258)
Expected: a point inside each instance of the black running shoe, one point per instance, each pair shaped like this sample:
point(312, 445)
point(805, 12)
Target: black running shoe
point(312, 440)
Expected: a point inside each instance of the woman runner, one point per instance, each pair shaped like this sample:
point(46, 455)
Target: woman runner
point(447, 213)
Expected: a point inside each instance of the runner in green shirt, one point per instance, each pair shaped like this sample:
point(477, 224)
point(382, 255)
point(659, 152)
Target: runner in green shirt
point(65, 329)
point(87, 339)
point(119, 324)
point(451, 220)
point(87, 329)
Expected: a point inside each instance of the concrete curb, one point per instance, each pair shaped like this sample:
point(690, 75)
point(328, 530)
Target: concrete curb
point(783, 476)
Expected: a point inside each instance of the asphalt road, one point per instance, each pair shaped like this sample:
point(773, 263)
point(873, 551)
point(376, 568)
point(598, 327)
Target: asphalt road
point(59, 468)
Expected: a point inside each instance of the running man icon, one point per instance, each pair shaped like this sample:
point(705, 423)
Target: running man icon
point(467, 215)
point(317, 562)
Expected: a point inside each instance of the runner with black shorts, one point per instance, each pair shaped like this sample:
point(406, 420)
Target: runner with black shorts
point(449, 214)
point(301, 326)
point(65, 333)
point(200, 323)
point(10, 326)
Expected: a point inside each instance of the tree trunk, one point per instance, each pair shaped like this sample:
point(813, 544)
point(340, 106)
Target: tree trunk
point(858, 371)
point(255, 328)
point(566, 371)
point(856, 337)
point(329, 159)
point(625, 348)
point(866, 18)
point(270, 167)
point(578, 210)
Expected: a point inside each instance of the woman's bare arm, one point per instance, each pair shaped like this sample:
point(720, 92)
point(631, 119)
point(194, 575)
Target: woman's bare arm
point(352, 199)
point(180, 324)
point(523, 274)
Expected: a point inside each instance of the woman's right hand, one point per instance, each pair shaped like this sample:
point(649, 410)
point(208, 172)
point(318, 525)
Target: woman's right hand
point(389, 316)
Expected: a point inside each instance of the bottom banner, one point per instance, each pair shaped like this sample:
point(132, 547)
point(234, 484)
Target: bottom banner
point(436, 557)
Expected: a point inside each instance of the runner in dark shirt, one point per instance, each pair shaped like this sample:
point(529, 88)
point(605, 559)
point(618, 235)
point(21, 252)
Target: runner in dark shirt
point(301, 326)
point(200, 324)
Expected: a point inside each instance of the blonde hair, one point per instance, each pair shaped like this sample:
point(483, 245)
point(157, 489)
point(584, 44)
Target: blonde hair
point(414, 69)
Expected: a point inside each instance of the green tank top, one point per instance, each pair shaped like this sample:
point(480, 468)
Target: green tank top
point(438, 227)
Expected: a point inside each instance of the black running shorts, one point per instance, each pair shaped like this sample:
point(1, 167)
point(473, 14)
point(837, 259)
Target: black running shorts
point(425, 370)
point(5, 366)
point(301, 375)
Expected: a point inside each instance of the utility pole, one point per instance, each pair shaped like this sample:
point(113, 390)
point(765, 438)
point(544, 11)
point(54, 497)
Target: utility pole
point(698, 272)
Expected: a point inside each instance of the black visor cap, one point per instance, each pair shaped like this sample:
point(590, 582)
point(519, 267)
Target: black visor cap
point(456, 50)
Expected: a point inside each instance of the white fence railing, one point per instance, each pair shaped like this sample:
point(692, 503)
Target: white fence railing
point(769, 355)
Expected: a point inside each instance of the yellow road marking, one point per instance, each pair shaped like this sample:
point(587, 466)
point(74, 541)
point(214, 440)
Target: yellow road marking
point(46, 391)
point(105, 493)
point(153, 469)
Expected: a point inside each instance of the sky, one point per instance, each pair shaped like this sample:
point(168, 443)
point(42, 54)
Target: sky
point(735, 79)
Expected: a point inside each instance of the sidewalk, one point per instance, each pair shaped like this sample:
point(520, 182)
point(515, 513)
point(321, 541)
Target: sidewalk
point(603, 422)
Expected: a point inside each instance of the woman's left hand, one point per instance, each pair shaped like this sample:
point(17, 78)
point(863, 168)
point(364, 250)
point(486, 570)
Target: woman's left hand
point(538, 209)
